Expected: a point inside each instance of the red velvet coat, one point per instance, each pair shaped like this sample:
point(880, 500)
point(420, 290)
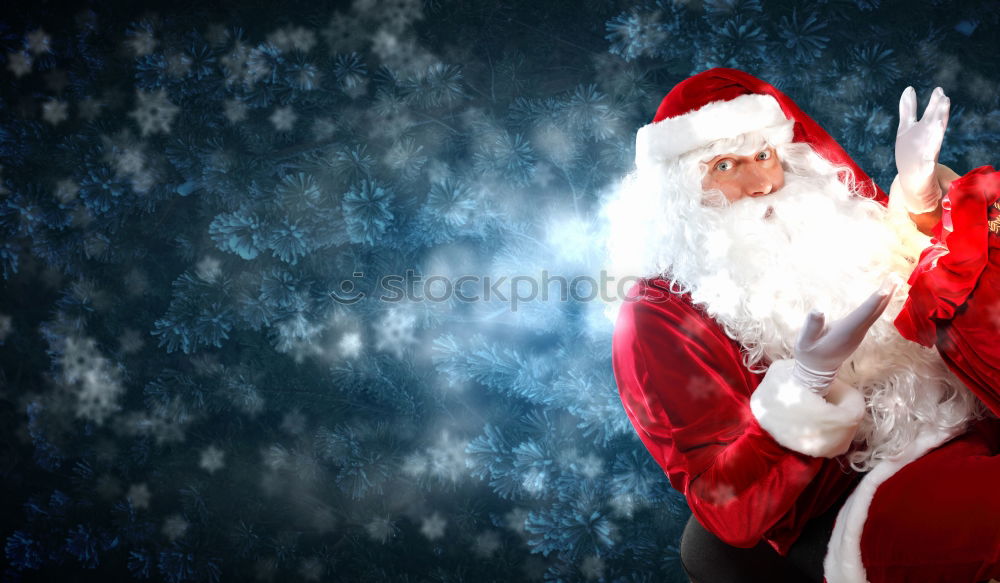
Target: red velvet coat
point(687, 393)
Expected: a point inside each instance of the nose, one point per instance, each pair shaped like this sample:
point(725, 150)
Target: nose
point(758, 183)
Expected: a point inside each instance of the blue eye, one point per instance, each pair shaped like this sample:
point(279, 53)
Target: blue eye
point(764, 154)
point(724, 165)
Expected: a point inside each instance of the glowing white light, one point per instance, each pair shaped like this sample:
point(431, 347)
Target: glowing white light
point(19, 64)
point(283, 118)
point(94, 379)
point(178, 65)
point(131, 341)
point(174, 527)
point(570, 238)
point(534, 481)
point(291, 38)
point(590, 465)
point(235, 110)
point(323, 128)
point(294, 422)
point(138, 495)
point(447, 458)
point(395, 332)
point(6, 327)
point(789, 394)
point(39, 42)
point(350, 345)
point(55, 111)
point(142, 43)
point(209, 269)
point(311, 569)
point(235, 64)
point(415, 465)
point(721, 493)
point(486, 544)
point(592, 567)
point(381, 529)
point(516, 519)
point(89, 108)
point(212, 459)
point(623, 505)
point(433, 526)
point(66, 190)
point(154, 112)
point(275, 457)
point(557, 144)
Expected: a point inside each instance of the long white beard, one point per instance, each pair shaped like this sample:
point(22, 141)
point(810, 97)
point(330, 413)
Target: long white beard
point(759, 266)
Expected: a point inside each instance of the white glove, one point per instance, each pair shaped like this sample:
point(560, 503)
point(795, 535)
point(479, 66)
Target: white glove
point(820, 350)
point(918, 144)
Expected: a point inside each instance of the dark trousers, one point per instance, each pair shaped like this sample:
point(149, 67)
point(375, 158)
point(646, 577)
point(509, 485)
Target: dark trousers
point(706, 559)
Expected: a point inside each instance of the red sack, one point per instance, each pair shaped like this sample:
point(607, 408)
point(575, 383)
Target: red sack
point(954, 299)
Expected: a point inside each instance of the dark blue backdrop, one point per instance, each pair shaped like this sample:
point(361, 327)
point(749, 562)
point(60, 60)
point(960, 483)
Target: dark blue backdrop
point(206, 375)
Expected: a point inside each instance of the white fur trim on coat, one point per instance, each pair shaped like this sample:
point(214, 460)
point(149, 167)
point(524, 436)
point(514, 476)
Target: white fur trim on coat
point(843, 562)
point(666, 139)
point(803, 421)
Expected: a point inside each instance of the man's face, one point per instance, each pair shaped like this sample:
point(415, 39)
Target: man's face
point(742, 176)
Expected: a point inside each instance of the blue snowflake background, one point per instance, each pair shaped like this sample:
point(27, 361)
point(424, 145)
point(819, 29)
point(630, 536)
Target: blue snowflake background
point(195, 198)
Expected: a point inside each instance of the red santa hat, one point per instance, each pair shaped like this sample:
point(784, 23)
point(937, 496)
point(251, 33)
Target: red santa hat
point(724, 103)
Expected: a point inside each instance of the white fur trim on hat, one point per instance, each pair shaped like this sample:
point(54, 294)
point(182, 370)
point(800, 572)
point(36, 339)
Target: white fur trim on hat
point(666, 139)
point(803, 421)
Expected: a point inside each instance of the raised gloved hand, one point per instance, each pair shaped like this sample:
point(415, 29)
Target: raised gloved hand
point(918, 144)
point(821, 349)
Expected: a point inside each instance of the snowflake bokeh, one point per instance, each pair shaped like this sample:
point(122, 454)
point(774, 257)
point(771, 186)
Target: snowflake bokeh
point(187, 395)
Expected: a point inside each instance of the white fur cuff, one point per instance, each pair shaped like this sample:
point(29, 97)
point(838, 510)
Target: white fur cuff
point(666, 139)
point(803, 421)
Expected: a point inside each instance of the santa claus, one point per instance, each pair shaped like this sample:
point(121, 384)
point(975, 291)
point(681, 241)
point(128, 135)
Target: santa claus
point(805, 448)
